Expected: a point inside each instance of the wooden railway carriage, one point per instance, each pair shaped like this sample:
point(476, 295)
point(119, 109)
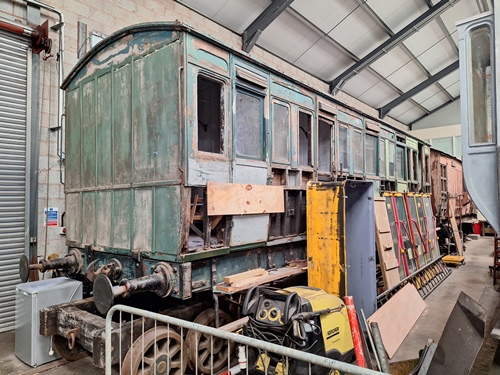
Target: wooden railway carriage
point(187, 161)
point(156, 111)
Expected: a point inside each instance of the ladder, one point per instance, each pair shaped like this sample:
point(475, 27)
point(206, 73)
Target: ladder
point(496, 260)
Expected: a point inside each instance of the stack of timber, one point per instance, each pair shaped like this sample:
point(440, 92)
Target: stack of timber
point(246, 280)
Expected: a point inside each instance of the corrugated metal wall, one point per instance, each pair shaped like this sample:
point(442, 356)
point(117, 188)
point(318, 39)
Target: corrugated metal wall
point(13, 163)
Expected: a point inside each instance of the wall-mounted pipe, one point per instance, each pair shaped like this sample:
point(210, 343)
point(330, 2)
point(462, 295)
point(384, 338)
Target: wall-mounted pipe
point(39, 35)
point(60, 98)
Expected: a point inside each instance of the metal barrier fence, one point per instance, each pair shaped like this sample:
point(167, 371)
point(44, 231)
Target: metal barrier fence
point(163, 344)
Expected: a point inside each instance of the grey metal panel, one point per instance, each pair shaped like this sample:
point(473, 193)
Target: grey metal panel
point(360, 245)
point(241, 235)
point(31, 347)
point(13, 162)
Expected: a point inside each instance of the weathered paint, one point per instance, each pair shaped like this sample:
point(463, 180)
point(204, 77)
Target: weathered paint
point(412, 143)
point(454, 180)
point(291, 94)
point(351, 119)
point(207, 55)
point(121, 48)
point(202, 166)
point(123, 154)
point(326, 253)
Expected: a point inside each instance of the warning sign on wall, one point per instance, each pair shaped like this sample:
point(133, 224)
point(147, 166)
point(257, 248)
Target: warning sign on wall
point(51, 216)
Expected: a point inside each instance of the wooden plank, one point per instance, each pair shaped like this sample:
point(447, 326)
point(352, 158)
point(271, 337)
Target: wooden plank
point(396, 318)
point(236, 325)
point(241, 199)
point(274, 275)
point(244, 275)
point(456, 233)
point(383, 237)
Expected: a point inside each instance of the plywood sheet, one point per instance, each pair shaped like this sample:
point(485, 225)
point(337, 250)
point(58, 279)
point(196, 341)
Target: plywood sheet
point(385, 249)
point(241, 199)
point(456, 233)
point(396, 318)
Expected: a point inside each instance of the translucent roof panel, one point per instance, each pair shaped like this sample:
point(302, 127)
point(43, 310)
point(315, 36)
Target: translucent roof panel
point(425, 38)
point(397, 14)
point(235, 15)
point(378, 94)
point(434, 101)
point(407, 76)
point(391, 62)
point(325, 14)
point(289, 38)
point(359, 33)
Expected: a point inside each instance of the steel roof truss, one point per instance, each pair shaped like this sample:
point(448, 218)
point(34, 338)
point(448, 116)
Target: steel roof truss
point(421, 86)
point(385, 47)
point(253, 31)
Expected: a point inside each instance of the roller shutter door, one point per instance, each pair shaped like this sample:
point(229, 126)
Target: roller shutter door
point(13, 164)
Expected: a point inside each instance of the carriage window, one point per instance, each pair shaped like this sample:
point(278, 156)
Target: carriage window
point(392, 159)
point(427, 169)
point(481, 85)
point(415, 165)
point(324, 146)
point(382, 157)
point(305, 139)
point(281, 132)
point(249, 132)
point(343, 148)
point(357, 147)
point(400, 163)
point(371, 154)
point(210, 122)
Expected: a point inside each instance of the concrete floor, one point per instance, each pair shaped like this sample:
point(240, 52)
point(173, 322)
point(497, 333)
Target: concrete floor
point(471, 278)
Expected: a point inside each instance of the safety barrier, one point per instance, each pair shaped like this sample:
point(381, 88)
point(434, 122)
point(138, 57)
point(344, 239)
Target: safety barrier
point(163, 344)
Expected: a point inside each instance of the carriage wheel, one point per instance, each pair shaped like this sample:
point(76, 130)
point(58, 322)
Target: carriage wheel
point(208, 354)
point(158, 351)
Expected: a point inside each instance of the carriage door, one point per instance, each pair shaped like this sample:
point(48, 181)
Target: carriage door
point(14, 162)
point(250, 114)
point(479, 127)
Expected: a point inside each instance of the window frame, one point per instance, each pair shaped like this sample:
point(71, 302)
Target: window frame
point(223, 117)
point(258, 94)
point(274, 159)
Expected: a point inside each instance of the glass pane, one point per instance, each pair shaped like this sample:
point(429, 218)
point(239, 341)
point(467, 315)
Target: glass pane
point(248, 138)
point(371, 154)
point(324, 146)
point(305, 139)
point(281, 132)
point(392, 161)
point(343, 148)
point(209, 116)
point(382, 157)
point(480, 73)
point(357, 147)
point(458, 146)
point(400, 162)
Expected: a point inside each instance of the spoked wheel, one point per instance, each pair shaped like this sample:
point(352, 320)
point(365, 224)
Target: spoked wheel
point(206, 353)
point(68, 352)
point(158, 351)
